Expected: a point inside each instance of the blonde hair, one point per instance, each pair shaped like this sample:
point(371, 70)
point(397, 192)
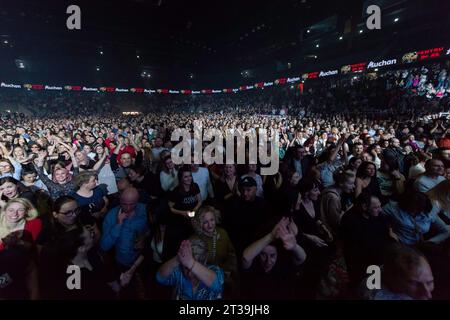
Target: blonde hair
point(441, 194)
point(84, 177)
point(21, 148)
point(31, 213)
point(197, 221)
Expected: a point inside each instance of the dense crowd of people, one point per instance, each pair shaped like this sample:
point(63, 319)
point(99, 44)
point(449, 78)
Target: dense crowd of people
point(363, 180)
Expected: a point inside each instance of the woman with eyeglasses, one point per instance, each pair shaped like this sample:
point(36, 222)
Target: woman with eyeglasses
point(64, 218)
point(18, 224)
point(78, 248)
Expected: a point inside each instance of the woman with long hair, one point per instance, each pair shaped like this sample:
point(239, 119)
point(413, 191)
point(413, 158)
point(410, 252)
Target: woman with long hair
point(184, 201)
point(440, 197)
point(227, 185)
point(168, 174)
point(18, 224)
point(366, 180)
point(11, 188)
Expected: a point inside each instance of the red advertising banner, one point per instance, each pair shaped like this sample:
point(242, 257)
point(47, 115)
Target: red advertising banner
point(356, 67)
point(280, 81)
point(423, 55)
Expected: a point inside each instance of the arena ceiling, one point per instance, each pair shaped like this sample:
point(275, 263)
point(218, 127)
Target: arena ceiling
point(182, 40)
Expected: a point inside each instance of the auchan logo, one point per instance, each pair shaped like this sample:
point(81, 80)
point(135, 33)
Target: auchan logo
point(328, 73)
point(381, 63)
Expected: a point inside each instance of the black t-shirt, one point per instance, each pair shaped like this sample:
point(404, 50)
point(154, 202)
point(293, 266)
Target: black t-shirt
point(364, 240)
point(88, 166)
point(185, 200)
point(150, 185)
point(243, 220)
point(14, 270)
point(277, 284)
point(93, 283)
point(305, 222)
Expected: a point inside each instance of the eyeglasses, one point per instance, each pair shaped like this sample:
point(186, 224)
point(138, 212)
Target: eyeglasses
point(71, 212)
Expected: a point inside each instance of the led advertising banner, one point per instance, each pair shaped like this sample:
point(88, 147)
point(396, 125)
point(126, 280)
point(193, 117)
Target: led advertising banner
point(408, 57)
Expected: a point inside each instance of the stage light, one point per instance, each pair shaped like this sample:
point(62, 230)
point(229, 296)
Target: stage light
point(317, 46)
point(396, 20)
point(98, 68)
point(376, 69)
point(341, 37)
point(360, 31)
point(22, 64)
point(138, 57)
point(308, 31)
point(101, 52)
point(6, 42)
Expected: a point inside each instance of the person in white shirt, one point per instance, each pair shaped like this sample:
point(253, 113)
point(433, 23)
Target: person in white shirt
point(168, 176)
point(158, 148)
point(433, 175)
point(202, 179)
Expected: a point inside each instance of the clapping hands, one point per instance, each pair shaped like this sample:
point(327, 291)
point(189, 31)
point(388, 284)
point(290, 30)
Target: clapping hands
point(286, 230)
point(185, 254)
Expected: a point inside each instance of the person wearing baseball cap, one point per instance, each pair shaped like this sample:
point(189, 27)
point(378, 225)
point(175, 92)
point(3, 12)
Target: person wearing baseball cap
point(248, 184)
point(244, 213)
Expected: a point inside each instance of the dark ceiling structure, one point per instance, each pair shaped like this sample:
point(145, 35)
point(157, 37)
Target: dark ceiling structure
point(198, 42)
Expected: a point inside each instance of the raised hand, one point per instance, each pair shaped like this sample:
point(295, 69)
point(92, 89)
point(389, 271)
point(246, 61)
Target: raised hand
point(292, 227)
point(185, 254)
point(72, 151)
point(288, 238)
